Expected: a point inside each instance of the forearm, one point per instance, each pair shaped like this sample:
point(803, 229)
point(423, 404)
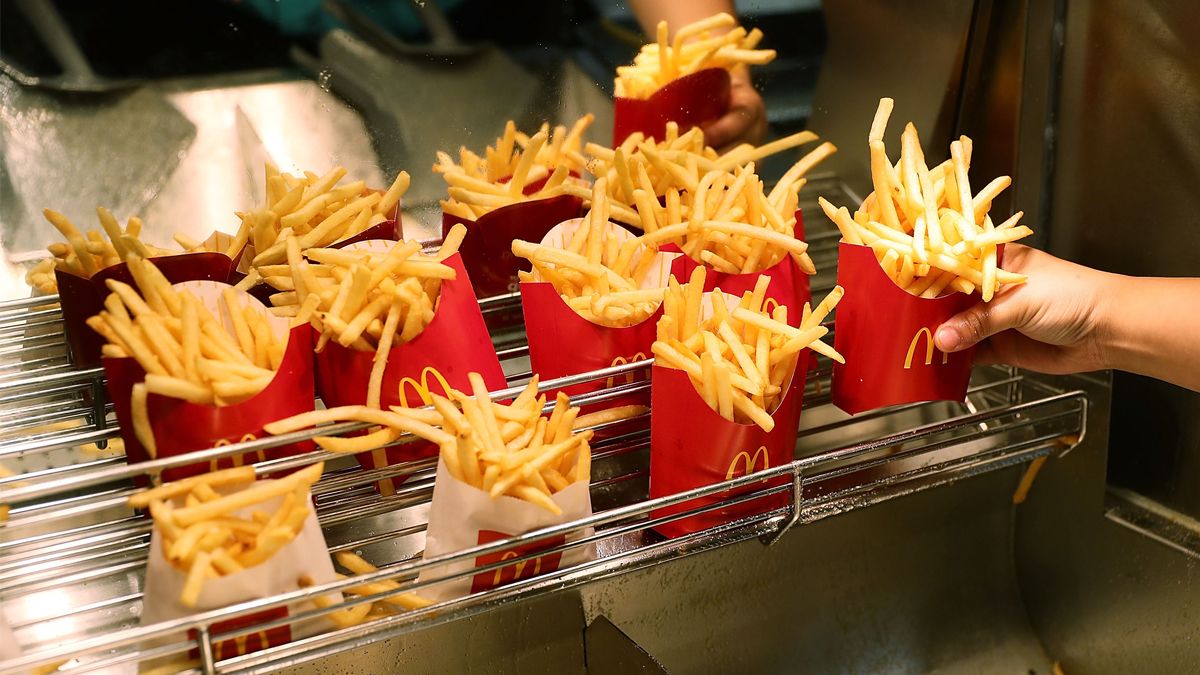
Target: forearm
point(676, 12)
point(1152, 327)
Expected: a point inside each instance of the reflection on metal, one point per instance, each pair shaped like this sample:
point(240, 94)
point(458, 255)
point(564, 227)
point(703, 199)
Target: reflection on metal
point(611, 652)
point(1169, 528)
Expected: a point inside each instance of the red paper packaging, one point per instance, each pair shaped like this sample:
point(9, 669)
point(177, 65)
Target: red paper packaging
point(789, 284)
point(561, 342)
point(886, 335)
point(462, 516)
point(487, 249)
point(689, 101)
point(454, 344)
point(691, 446)
point(82, 298)
point(180, 426)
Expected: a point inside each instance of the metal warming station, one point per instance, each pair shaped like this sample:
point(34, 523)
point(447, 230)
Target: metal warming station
point(1004, 534)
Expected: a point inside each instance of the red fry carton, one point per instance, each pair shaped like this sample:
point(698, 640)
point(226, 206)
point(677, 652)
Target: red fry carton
point(306, 555)
point(487, 248)
point(180, 426)
point(789, 284)
point(691, 446)
point(886, 335)
point(462, 516)
point(561, 342)
point(689, 101)
point(454, 344)
point(82, 298)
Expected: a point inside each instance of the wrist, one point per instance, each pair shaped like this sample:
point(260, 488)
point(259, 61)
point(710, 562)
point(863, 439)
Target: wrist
point(1110, 340)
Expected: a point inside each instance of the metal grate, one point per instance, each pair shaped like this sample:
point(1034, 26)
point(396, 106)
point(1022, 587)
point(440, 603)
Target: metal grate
point(72, 555)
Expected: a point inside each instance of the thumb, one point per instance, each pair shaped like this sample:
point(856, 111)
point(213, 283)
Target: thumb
point(966, 329)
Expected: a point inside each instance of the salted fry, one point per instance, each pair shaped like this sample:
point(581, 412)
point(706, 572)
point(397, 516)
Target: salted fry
point(515, 169)
point(469, 432)
point(186, 351)
point(740, 360)
point(209, 539)
point(317, 211)
point(86, 253)
point(605, 279)
point(695, 47)
point(928, 232)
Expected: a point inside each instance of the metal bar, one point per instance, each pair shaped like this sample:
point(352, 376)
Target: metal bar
point(155, 466)
point(796, 508)
point(23, 303)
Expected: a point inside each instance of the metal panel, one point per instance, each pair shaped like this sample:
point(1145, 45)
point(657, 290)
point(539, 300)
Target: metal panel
point(925, 584)
point(1126, 201)
point(1102, 597)
point(910, 50)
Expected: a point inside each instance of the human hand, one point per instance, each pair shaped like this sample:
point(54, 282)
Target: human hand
point(746, 120)
point(1053, 323)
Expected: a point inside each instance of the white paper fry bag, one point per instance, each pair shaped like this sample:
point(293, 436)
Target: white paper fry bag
point(307, 554)
point(462, 517)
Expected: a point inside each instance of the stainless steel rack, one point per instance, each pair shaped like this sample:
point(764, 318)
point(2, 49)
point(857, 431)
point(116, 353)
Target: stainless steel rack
point(72, 554)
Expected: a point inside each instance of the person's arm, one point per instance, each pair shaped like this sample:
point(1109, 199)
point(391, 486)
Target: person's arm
point(1068, 318)
point(746, 121)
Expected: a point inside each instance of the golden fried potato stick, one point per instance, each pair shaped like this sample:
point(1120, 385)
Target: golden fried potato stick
point(928, 231)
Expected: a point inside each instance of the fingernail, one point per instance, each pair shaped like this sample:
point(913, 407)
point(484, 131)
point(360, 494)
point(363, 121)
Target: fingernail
point(947, 339)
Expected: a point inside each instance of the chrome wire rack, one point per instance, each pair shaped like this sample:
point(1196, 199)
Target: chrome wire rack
point(72, 554)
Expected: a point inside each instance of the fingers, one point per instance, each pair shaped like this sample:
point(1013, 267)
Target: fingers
point(966, 329)
point(746, 121)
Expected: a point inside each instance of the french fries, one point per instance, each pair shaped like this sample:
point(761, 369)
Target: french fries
point(731, 223)
point(85, 253)
point(368, 300)
point(709, 43)
point(203, 533)
point(929, 231)
point(597, 275)
point(478, 185)
point(501, 449)
point(740, 358)
point(352, 616)
point(642, 172)
point(314, 209)
point(186, 351)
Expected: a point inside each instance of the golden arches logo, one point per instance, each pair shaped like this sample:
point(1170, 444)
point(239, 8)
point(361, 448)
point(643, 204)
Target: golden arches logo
point(749, 463)
point(517, 568)
point(238, 460)
point(422, 387)
point(631, 376)
point(241, 645)
point(912, 348)
point(770, 305)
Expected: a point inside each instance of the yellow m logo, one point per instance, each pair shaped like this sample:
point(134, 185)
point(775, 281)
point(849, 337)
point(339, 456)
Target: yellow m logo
point(422, 387)
point(631, 376)
point(239, 644)
point(770, 305)
point(518, 568)
point(748, 463)
point(238, 460)
point(912, 347)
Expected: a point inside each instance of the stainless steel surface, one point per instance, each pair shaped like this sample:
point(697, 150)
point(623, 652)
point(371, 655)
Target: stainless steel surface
point(73, 155)
point(910, 50)
point(71, 555)
point(1129, 162)
point(1110, 575)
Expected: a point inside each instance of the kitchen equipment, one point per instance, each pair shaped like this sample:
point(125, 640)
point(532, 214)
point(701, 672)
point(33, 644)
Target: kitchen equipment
point(951, 537)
